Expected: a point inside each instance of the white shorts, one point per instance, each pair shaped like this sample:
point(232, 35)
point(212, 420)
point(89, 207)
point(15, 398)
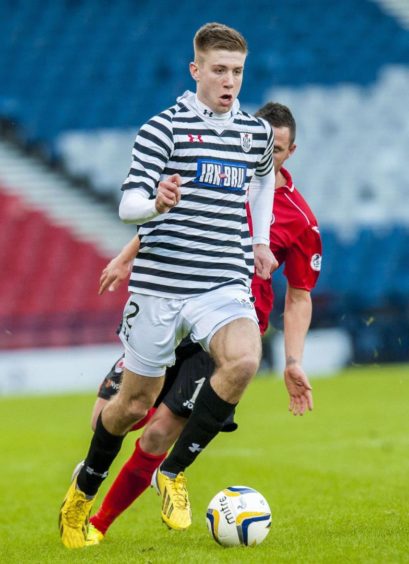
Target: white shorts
point(152, 327)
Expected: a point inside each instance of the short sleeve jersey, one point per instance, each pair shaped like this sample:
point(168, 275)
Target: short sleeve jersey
point(295, 241)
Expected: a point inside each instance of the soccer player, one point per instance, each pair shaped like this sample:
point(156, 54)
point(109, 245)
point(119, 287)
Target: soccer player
point(295, 240)
point(165, 422)
point(193, 165)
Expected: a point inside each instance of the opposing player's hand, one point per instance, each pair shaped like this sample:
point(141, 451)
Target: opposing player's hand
point(264, 261)
point(299, 389)
point(168, 194)
point(115, 272)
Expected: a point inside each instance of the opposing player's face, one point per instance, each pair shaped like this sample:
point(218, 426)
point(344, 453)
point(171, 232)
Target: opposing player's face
point(282, 146)
point(218, 75)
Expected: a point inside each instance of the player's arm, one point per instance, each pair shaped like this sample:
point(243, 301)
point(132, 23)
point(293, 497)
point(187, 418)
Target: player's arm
point(144, 195)
point(135, 207)
point(261, 198)
point(119, 268)
point(302, 267)
point(297, 319)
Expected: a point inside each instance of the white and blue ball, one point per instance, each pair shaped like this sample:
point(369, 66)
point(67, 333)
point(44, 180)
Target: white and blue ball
point(238, 515)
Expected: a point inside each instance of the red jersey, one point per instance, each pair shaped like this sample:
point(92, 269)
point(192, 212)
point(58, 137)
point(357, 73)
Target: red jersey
point(295, 241)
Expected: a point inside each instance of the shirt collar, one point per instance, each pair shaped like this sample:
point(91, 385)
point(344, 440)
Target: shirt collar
point(288, 180)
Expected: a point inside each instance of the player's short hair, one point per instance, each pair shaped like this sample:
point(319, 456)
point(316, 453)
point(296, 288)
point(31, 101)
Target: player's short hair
point(278, 115)
point(218, 36)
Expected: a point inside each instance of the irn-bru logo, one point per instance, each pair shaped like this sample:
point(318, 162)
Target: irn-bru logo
point(221, 174)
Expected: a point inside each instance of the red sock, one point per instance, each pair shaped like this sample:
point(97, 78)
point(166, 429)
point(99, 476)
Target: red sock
point(144, 421)
point(133, 479)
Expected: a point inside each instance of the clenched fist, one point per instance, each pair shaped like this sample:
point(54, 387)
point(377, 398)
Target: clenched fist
point(168, 194)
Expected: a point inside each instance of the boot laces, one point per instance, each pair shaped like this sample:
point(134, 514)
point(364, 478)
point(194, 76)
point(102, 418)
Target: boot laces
point(179, 492)
point(75, 512)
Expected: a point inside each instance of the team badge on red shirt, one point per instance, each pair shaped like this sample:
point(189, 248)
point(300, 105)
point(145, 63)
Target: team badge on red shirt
point(316, 262)
point(246, 140)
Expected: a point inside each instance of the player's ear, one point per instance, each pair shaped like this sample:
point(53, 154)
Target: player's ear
point(194, 70)
point(292, 149)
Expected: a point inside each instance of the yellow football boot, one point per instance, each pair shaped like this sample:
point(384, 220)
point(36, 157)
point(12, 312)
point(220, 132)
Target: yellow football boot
point(74, 516)
point(93, 536)
point(176, 512)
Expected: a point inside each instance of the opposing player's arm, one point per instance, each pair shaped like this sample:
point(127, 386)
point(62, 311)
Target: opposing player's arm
point(297, 319)
point(144, 196)
point(302, 266)
point(119, 268)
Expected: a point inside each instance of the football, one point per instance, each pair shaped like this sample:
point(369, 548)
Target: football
point(238, 515)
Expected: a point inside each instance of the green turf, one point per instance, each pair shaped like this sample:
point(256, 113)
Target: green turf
point(336, 480)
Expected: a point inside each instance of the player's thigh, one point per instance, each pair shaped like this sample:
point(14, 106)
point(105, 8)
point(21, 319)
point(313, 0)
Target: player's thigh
point(162, 430)
point(209, 313)
point(235, 342)
point(236, 349)
point(139, 388)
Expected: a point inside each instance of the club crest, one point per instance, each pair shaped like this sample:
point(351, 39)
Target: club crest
point(246, 140)
point(316, 262)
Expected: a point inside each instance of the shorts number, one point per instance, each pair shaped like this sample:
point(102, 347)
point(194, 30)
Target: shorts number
point(132, 311)
point(191, 402)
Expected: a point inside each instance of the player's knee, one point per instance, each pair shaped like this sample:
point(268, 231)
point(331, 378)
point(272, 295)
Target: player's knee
point(243, 368)
point(157, 437)
point(134, 410)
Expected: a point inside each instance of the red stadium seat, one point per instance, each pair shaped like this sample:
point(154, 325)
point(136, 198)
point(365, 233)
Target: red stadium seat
point(48, 291)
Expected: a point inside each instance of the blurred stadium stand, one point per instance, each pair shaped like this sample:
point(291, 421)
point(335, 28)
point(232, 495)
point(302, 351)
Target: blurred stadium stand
point(50, 298)
point(76, 85)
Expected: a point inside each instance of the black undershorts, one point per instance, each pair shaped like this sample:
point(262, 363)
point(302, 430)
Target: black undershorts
point(183, 381)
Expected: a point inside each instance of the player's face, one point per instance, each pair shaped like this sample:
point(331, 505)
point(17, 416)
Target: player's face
point(282, 146)
point(218, 75)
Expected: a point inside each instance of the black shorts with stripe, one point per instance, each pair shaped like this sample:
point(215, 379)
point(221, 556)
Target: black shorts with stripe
point(182, 383)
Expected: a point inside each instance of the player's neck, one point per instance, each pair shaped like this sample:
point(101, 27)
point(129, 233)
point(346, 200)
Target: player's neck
point(280, 180)
point(207, 112)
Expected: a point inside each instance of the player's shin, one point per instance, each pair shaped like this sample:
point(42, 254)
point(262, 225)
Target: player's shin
point(133, 479)
point(103, 450)
point(207, 419)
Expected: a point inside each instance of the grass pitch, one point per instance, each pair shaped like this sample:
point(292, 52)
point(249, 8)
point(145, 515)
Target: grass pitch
point(336, 479)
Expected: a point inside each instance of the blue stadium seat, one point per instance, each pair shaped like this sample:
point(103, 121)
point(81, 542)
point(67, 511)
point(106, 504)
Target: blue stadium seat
point(95, 64)
point(77, 47)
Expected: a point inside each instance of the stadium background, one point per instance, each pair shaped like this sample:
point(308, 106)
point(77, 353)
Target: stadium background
point(77, 78)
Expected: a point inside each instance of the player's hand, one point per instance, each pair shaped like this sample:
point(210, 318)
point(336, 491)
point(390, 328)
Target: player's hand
point(115, 272)
point(264, 261)
point(299, 389)
point(168, 194)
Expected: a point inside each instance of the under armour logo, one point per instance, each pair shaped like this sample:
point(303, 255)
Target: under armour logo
point(207, 113)
point(195, 447)
point(194, 138)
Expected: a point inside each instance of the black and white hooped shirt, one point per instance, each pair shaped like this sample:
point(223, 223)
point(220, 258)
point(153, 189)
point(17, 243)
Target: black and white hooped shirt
point(203, 242)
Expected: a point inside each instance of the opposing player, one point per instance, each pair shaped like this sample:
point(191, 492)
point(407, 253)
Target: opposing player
point(295, 240)
point(192, 169)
